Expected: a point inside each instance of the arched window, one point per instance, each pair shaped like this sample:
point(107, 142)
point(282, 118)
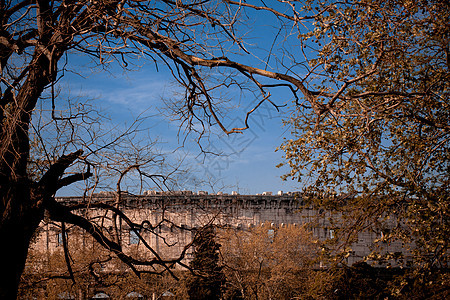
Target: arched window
point(134, 295)
point(101, 295)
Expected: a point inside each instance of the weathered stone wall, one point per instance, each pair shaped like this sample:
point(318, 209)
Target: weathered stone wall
point(176, 213)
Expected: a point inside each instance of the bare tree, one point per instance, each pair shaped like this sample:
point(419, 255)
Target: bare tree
point(36, 38)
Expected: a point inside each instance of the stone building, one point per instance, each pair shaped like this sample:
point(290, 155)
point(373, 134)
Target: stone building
point(165, 220)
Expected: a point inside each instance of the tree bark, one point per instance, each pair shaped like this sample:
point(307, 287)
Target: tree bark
point(18, 224)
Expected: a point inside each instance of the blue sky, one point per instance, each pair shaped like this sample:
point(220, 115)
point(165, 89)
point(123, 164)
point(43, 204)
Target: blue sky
point(248, 161)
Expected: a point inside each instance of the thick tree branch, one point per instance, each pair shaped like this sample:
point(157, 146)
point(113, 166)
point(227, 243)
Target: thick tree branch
point(72, 179)
point(50, 182)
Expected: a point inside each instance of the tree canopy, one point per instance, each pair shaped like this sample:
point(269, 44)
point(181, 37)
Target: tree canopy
point(265, 262)
point(379, 147)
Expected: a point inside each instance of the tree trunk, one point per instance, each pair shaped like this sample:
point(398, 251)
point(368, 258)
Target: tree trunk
point(19, 221)
point(21, 207)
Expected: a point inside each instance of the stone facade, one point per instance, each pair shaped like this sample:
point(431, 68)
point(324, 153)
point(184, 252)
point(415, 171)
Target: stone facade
point(165, 220)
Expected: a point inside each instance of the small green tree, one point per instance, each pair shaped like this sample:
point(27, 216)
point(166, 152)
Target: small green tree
point(208, 279)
